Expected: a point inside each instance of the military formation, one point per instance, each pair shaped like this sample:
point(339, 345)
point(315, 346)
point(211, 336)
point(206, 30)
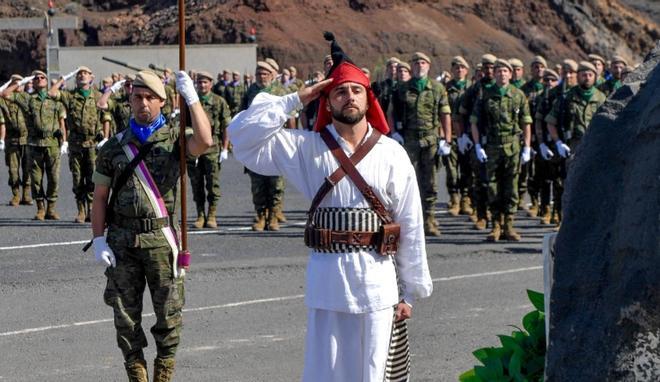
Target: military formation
point(503, 136)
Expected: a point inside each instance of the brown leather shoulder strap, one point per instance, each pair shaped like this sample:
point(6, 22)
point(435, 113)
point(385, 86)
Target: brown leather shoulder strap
point(339, 173)
point(356, 177)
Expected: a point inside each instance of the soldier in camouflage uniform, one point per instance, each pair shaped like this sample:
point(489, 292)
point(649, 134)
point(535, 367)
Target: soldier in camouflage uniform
point(599, 63)
point(421, 108)
point(569, 118)
point(87, 126)
point(505, 111)
point(299, 84)
point(115, 101)
point(518, 75)
point(234, 93)
point(266, 190)
point(220, 87)
point(384, 89)
point(484, 81)
point(617, 66)
point(457, 164)
point(528, 179)
point(46, 131)
point(17, 157)
point(204, 171)
point(141, 247)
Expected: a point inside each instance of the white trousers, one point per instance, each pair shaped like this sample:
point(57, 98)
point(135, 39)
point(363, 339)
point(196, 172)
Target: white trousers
point(346, 347)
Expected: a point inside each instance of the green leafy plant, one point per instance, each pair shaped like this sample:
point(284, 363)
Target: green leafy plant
point(521, 358)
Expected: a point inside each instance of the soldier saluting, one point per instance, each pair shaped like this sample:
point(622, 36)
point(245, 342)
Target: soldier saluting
point(142, 240)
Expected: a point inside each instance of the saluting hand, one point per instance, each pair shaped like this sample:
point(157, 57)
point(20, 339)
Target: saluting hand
point(310, 93)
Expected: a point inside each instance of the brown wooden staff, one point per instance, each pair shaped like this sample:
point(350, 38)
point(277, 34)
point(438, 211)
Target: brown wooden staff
point(182, 133)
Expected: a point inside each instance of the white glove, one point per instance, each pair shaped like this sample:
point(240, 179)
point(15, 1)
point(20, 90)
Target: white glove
point(444, 148)
point(117, 86)
point(545, 151)
point(100, 144)
point(65, 148)
point(182, 271)
point(526, 155)
point(481, 153)
point(563, 150)
point(2, 145)
point(464, 142)
point(103, 253)
point(5, 86)
point(185, 87)
point(397, 137)
point(25, 80)
point(175, 113)
point(67, 76)
point(224, 154)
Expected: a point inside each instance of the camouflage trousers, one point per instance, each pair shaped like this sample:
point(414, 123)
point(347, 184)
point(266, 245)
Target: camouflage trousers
point(549, 174)
point(205, 179)
point(44, 161)
point(267, 191)
point(17, 158)
point(82, 164)
point(459, 172)
point(425, 162)
point(479, 193)
point(527, 181)
point(503, 167)
point(137, 268)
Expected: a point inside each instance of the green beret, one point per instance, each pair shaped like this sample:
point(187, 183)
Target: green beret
point(149, 80)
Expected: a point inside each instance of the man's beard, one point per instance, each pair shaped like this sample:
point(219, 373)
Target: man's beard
point(344, 117)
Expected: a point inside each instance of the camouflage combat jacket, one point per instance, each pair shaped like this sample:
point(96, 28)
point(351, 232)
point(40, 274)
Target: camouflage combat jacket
point(455, 93)
point(419, 111)
point(43, 117)
point(120, 110)
point(16, 131)
point(84, 119)
point(255, 89)
point(218, 113)
point(573, 114)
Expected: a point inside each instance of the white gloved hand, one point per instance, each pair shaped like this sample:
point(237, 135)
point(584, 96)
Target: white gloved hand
point(481, 153)
point(545, 151)
point(65, 148)
point(117, 86)
point(181, 271)
point(444, 148)
point(175, 113)
point(67, 76)
point(103, 253)
point(526, 155)
point(467, 143)
point(397, 137)
point(224, 154)
point(25, 80)
point(5, 85)
point(2, 145)
point(562, 149)
point(185, 87)
point(100, 144)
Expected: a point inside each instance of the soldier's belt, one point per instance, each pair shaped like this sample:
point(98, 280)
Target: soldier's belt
point(503, 140)
point(142, 225)
point(41, 134)
point(411, 134)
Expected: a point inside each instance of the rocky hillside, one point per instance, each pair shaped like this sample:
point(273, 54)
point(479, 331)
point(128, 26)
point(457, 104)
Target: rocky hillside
point(369, 30)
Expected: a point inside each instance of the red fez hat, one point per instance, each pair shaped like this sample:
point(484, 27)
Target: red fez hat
point(342, 71)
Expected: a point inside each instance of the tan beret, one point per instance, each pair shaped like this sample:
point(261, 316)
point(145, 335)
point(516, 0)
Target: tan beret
point(130, 77)
point(85, 69)
point(286, 71)
point(365, 70)
point(404, 65)
point(516, 63)
point(392, 60)
point(420, 56)
point(586, 65)
point(569, 64)
point(619, 59)
point(204, 74)
point(549, 73)
point(107, 79)
point(115, 74)
point(502, 63)
point(293, 69)
point(595, 57)
point(16, 77)
point(149, 80)
point(459, 60)
point(488, 59)
point(236, 73)
point(479, 66)
point(539, 60)
point(273, 64)
point(264, 65)
point(39, 73)
point(167, 70)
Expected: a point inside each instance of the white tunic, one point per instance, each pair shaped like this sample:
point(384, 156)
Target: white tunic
point(353, 282)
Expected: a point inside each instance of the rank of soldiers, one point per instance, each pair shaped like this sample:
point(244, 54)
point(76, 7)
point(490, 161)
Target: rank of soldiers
point(502, 137)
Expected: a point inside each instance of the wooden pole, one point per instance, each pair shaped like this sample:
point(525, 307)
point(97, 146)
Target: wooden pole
point(182, 133)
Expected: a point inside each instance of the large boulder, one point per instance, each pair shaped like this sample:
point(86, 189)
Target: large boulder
point(605, 301)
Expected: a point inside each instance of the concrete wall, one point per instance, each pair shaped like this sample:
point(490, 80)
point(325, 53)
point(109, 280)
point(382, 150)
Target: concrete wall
point(212, 58)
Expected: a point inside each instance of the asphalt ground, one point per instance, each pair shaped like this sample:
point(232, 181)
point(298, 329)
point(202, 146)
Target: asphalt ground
point(245, 316)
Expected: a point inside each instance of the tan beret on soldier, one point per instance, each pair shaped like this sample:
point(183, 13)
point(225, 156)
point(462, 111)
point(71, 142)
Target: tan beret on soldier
point(205, 74)
point(502, 63)
point(586, 65)
point(420, 56)
point(539, 60)
point(488, 59)
point(149, 80)
point(569, 64)
point(459, 60)
point(516, 63)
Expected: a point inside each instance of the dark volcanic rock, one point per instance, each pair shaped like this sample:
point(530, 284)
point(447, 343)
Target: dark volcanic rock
point(605, 304)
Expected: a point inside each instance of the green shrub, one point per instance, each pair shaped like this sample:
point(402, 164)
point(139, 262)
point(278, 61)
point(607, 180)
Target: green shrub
point(521, 358)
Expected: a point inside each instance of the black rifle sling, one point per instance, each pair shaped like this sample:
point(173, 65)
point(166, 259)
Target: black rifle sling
point(121, 182)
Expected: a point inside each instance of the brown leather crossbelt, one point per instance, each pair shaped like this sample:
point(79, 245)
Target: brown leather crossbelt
point(386, 240)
